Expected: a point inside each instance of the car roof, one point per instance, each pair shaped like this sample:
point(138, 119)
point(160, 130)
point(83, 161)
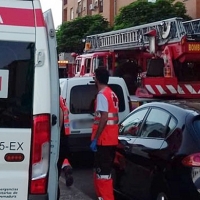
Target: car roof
point(182, 106)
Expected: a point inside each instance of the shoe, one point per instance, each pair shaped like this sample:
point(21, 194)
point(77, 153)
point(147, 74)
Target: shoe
point(69, 180)
point(68, 169)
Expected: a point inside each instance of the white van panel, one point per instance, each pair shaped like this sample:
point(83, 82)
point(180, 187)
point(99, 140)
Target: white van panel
point(15, 4)
point(42, 72)
point(15, 176)
point(17, 33)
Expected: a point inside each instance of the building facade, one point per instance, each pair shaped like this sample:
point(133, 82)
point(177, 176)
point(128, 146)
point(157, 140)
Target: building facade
point(72, 9)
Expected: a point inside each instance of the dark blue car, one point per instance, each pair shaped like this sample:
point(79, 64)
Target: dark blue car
point(158, 156)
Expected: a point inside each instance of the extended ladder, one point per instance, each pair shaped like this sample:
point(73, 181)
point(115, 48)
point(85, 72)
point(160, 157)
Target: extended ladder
point(192, 26)
point(167, 31)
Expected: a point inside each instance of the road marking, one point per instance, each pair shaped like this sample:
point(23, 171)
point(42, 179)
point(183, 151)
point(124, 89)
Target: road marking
point(75, 190)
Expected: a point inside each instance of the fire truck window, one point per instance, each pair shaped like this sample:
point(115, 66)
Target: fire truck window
point(78, 65)
point(81, 103)
point(17, 107)
point(94, 65)
point(100, 61)
point(87, 64)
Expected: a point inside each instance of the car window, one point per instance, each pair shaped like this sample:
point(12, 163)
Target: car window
point(155, 124)
point(131, 125)
point(172, 124)
point(80, 103)
point(196, 125)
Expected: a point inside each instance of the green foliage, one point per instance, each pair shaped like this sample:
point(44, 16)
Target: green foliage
point(70, 34)
point(142, 12)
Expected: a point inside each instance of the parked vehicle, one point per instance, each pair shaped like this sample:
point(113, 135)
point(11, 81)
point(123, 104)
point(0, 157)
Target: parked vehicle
point(158, 156)
point(28, 97)
point(80, 94)
point(157, 59)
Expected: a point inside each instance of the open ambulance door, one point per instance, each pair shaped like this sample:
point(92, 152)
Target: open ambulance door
point(55, 130)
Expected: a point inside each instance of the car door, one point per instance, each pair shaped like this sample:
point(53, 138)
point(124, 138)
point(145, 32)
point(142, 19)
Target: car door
point(128, 132)
point(145, 153)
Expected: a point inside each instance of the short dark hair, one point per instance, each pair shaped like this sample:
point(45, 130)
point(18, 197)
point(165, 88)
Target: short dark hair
point(102, 75)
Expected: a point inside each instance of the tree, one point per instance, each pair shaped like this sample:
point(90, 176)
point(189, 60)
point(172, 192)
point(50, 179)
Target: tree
point(70, 34)
point(142, 12)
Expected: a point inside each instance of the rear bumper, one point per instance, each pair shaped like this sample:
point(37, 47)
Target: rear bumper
point(38, 197)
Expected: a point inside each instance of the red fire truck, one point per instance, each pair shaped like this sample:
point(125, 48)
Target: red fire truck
point(156, 59)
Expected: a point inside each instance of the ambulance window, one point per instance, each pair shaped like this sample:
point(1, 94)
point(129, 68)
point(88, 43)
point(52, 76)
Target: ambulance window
point(16, 106)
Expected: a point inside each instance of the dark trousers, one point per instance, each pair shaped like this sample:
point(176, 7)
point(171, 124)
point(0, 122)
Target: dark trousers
point(63, 153)
point(103, 159)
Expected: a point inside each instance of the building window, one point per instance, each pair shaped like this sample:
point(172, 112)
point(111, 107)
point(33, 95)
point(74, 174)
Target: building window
point(71, 13)
point(100, 5)
point(65, 2)
point(79, 9)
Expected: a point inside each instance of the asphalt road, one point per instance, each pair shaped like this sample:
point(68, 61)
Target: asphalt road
point(82, 189)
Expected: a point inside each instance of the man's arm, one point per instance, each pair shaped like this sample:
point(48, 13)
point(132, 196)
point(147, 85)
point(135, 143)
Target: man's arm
point(102, 124)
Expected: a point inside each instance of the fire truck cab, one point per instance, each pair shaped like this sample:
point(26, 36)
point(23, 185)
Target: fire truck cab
point(29, 102)
point(87, 63)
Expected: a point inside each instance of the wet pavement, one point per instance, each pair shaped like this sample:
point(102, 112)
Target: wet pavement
point(82, 189)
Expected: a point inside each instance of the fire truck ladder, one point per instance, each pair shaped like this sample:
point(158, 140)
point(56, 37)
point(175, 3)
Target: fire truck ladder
point(192, 26)
point(167, 31)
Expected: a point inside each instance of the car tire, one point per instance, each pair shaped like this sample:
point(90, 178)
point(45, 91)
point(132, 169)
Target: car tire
point(161, 196)
point(159, 190)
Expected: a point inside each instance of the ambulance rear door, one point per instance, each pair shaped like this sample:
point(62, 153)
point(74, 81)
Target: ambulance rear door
point(17, 55)
point(54, 82)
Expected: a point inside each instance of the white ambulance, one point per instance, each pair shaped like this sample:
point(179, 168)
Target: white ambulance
point(29, 102)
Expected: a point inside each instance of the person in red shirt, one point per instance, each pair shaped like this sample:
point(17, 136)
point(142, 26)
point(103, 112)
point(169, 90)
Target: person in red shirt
point(104, 137)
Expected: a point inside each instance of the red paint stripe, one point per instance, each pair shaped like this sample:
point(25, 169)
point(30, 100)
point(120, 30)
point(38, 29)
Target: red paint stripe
point(40, 19)
point(21, 17)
